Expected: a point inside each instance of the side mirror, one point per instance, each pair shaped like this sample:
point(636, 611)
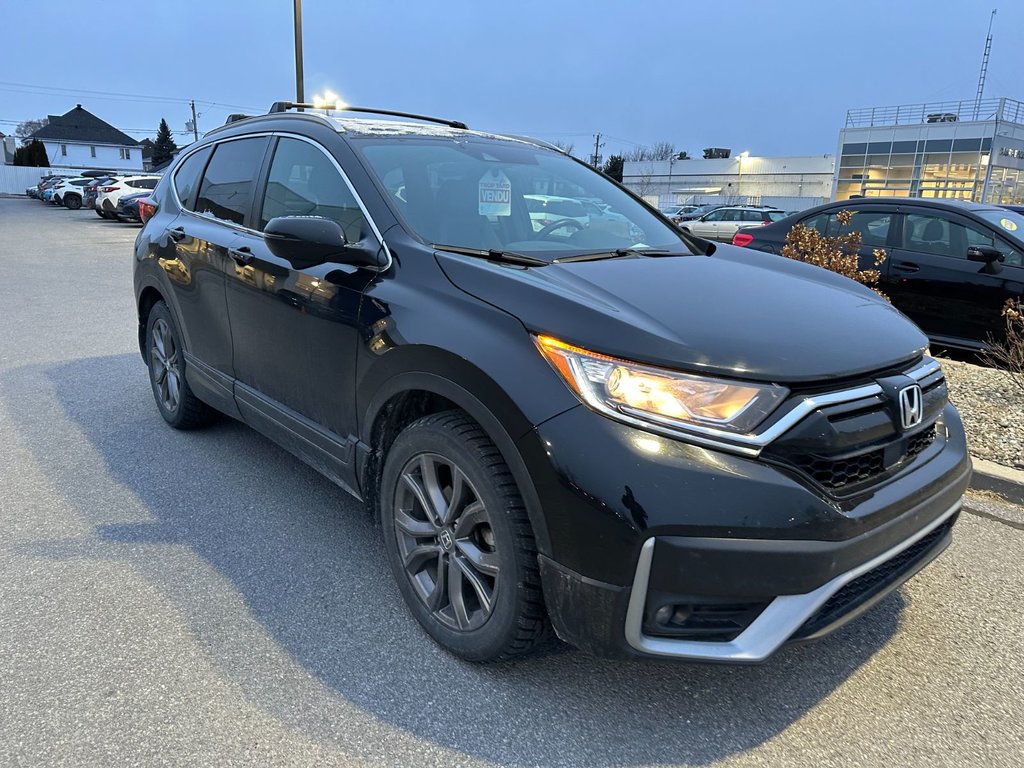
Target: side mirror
point(984, 253)
point(990, 257)
point(306, 241)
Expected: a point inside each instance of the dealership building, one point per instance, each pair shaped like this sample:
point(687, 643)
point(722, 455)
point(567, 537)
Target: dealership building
point(968, 150)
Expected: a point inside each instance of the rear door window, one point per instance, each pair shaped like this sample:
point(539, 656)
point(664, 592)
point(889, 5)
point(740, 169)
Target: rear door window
point(934, 235)
point(227, 188)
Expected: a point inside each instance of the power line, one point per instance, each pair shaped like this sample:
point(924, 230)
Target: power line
point(114, 95)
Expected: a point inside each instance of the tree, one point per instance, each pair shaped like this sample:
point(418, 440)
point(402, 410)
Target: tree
point(613, 167)
point(32, 154)
point(164, 146)
point(25, 130)
point(565, 147)
point(661, 150)
point(37, 154)
point(838, 254)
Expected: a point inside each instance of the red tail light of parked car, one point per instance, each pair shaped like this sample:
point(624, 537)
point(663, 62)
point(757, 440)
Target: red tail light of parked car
point(742, 238)
point(147, 207)
point(109, 189)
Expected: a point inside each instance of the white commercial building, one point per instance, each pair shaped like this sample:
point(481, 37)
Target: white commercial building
point(790, 183)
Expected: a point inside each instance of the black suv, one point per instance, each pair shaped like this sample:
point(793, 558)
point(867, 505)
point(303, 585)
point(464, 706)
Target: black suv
point(951, 265)
point(654, 445)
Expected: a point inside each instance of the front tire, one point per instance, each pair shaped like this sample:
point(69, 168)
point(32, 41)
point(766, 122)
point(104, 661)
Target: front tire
point(459, 541)
point(174, 397)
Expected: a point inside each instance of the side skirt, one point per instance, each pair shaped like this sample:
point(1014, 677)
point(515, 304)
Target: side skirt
point(303, 438)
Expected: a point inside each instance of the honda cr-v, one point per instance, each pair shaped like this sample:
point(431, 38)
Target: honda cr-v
point(650, 444)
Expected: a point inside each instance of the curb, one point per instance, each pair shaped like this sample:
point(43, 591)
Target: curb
point(995, 478)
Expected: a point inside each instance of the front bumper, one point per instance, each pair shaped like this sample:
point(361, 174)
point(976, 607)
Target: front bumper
point(675, 525)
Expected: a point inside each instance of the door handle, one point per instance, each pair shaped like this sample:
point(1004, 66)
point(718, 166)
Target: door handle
point(906, 266)
point(177, 234)
point(243, 256)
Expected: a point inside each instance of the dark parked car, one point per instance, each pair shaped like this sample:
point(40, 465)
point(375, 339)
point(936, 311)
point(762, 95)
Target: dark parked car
point(654, 445)
point(698, 211)
point(1014, 208)
point(92, 189)
point(128, 206)
point(951, 265)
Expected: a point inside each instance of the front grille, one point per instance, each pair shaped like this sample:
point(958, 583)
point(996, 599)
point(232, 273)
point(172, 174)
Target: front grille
point(874, 582)
point(836, 474)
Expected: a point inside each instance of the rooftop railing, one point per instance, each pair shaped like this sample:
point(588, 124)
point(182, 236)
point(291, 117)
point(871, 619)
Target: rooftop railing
point(1010, 110)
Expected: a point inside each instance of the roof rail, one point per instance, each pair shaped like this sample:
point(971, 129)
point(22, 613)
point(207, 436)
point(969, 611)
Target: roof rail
point(284, 106)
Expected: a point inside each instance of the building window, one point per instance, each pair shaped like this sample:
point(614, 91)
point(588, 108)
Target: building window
point(63, 150)
point(126, 153)
point(92, 151)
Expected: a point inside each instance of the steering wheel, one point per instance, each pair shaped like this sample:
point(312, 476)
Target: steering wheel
point(542, 233)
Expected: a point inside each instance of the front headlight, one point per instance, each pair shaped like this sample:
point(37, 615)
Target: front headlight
point(658, 395)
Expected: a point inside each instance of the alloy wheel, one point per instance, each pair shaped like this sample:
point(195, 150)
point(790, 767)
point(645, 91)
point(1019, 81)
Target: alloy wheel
point(446, 542)
point(165, 365)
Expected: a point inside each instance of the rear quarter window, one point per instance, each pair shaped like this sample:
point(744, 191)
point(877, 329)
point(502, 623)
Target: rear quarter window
point(186, 178)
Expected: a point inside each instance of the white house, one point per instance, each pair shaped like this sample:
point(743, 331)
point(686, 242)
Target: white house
point(80, 139)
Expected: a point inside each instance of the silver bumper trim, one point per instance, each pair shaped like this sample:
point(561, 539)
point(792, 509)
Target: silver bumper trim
point(776, 624)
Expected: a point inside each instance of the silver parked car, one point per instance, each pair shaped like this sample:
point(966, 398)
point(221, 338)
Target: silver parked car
point(723, 223)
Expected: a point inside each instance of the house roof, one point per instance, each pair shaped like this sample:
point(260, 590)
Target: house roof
point(83, 127)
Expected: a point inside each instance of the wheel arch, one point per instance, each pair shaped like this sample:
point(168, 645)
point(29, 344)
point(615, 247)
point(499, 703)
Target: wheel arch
point(409, 395)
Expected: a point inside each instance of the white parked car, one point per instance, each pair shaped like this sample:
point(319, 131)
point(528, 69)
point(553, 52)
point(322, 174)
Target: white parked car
point(545, 210)
point(723, 223)
point(69, 193)
point(109, 195)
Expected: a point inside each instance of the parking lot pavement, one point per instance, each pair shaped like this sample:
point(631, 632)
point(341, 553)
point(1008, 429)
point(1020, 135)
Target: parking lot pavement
point(203, 598)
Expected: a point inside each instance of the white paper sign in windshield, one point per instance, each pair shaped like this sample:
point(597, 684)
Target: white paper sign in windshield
point(495, 194)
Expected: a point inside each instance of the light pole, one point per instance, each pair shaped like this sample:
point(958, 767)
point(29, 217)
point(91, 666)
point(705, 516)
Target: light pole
point(739, 177)
point(300, 96)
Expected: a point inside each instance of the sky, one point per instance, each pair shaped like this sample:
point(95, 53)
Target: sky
point(771, 78)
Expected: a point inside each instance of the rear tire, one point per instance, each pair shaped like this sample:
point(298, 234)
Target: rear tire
point(72, 202)
point(459, 541)
point(174, 397)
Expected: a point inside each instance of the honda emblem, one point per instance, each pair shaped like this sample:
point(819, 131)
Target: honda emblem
point(911, 407)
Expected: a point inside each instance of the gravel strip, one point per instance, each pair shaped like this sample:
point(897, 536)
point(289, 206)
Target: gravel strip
point(992, 410)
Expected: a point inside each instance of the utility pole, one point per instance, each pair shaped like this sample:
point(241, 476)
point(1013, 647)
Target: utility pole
point(595, 159)
point(984, 66)
point(195, 125)
point(300, 95)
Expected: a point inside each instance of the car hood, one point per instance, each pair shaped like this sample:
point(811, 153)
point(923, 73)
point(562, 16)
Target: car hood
point(737, 312)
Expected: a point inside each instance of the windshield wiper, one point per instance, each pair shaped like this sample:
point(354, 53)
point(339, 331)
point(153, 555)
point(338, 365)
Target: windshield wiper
point(507, 257)
point(617, 254)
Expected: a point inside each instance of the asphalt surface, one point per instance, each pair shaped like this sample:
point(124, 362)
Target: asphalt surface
point(203, 598)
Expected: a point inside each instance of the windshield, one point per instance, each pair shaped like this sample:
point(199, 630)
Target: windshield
point(1010, 223)
point(492, 194)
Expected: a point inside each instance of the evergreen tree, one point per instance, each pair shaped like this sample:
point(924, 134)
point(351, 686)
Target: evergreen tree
point(32, 154)
point(613, 167)
point(164, 146)
point(37, 154)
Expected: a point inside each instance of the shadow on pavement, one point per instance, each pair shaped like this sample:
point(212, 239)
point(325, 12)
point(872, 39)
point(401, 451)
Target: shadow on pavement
point(300, 613)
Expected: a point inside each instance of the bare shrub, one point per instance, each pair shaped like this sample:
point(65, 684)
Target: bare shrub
point(1008, 355)
point(837, 254)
